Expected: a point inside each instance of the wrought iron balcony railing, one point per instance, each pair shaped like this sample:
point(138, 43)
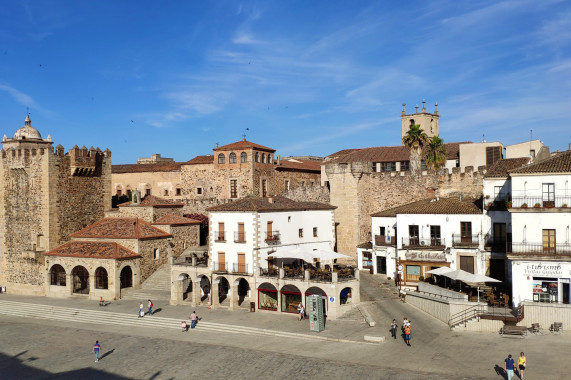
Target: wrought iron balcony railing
point(239, 237)
point(220, 236)
point(539, 202)
point(272, 236)
point(459, 240)
point(425, 243)
point(563, 249)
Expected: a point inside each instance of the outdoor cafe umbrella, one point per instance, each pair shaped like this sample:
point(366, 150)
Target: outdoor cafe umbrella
point(440, 272)
point(296, 253)
point(479, 279)
point(458, 274)
point(328, 254)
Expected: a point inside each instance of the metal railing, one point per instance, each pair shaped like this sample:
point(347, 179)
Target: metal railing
point(429, 243)
point(462, 317)
point(384, 240)
point(221, 267)
point(272, 236)
point(465, 240)
point(270, 272)
point(219, 235)
point(563, 249)
point(239, 237)
point(498, 245)
point(240, 268)
point(539, 202)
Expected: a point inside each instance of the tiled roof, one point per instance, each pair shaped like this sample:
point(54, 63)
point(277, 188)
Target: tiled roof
point(280, 203)
point(142, 168)
point(244, 144)
point(120, 228)
point(172, 219)
point(93, 250)
point(500, 168)
point(389, 153)
point(433, 206)
point(560, 163)
point(151, 200)
point(302, 165)
point(340, 153)
point(208, 159)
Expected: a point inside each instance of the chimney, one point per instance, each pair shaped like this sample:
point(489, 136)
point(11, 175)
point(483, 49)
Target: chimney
point(279, 159)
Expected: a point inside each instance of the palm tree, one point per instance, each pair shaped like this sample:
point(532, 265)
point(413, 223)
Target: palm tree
point(435, 156)
point(415, 139)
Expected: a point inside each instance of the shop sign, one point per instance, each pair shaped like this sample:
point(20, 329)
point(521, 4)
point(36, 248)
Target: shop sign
point(426, 256)
point(543, 270)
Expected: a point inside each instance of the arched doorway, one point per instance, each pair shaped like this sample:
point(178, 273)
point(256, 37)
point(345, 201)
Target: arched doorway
point(242, 290)
point(80, 280)
point(267, 297)
point(345, 296)
point(57, 275)
point(291, 298)
point(223, 289)
point(314, 290)
point(204, 288)
point(126, 277)
point(101, 280)
point(186, 285)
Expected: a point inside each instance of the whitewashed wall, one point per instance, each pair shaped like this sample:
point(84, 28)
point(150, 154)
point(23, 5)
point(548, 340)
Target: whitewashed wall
point(229, 247)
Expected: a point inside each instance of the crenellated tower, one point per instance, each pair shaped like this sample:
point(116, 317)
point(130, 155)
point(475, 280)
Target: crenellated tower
point(427, 121)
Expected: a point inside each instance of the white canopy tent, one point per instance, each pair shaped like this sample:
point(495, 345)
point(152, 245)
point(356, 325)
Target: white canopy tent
point(328, 254)
point(479, 279)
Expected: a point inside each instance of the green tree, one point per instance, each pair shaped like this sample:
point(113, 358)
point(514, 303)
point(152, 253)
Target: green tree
point(415, 139)
point(435, 156)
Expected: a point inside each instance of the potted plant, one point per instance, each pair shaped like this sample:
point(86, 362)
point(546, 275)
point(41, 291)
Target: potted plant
point(509, 204)
point(537, 205)
point(488, 196)
point(564, 205)
point(524, 205)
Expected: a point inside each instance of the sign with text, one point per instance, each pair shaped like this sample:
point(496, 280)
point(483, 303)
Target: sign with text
point(426, 256)
point(543, 270)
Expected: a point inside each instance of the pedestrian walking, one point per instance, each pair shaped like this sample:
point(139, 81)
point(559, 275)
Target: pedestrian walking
point(407, 335)
point(184, 326)
point(141, 312)
point(301, 310)
point(101, 301)
point(509, 367)
point(193, 320)
point(394, 327)
point(521, 362)
point(404, 323)
point(96, 349)
point(150, 311)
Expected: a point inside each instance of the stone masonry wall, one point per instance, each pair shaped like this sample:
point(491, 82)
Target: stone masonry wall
point(148, 264)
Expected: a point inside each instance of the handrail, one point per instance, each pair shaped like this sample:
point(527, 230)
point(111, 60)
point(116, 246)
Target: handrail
point(440, 295)
point(465, 315)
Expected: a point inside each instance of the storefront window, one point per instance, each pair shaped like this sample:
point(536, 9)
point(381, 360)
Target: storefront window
point(267, 299)
point(545, 289)
point(412, 272)
point(290, 302)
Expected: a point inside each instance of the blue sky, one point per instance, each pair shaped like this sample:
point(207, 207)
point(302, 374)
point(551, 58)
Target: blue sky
point(305, 77)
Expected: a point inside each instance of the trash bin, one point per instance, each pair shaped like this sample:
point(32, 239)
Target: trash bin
point(252, 307)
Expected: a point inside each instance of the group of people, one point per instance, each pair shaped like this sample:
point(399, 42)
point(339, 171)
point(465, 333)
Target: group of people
point(405, 328)
point(149, 310)
point(193, 321)
point(509, 365)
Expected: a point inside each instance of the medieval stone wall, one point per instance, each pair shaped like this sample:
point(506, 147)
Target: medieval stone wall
point(295, 179)
point(308, 193)
point(146, 249)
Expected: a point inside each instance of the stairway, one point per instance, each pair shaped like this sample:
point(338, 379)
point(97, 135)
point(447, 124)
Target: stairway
point(156, 287)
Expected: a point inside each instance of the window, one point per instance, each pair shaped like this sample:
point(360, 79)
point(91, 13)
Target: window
point(221, 158)
point(314, 231)
point(412, 272)
point(302, 183)
point(166, 193)
point(263, 158)
point(466, 232)
point(270, 231)
point(178, 191)
point(382, 231)
point(156, 253)
point(493, 154)
point(300, 232)
point(232, 158)
point(241, 234)
point(498, 193)
point(264, 188)
point(220, 236)
point(435, 236)
point(289, 219)
point(388, 166)
point(404, 166)
point(374, 167)
point(548, 241)
point(287, 185)
point(233, 188)
point(532, 153)
point(147, 191)
point(101, 281)
point(243, 157)
point(199, 191)
point(257, 157)
point(57, 275)
point(548, 194)
point(413, 234)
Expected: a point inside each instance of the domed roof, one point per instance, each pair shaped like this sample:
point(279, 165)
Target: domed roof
point(27, 132)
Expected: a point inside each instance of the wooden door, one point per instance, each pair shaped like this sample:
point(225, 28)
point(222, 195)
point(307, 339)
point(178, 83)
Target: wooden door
point(467, 263)
point(466, 232)
point(221, 232)
point(241, 237)
point(548, 241)
point(269, 234)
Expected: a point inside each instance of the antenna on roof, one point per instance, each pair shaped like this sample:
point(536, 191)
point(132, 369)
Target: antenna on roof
point(244, 135)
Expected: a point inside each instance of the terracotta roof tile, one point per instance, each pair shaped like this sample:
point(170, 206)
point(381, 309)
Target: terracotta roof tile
point(500, 168)
point(172, 219)
point(198, 160)
point(120, 228)
point(560, 163)
point(154, 201)
point(433, 206)
point(299, 165)
point(244, 144)
point(142, 168)
point(280, 203)
point(93, 250)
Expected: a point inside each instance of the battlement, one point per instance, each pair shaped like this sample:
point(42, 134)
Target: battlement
point(86, 162)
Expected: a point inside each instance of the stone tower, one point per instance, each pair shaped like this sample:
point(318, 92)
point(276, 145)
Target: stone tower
point(44, 196)
point(428, 121)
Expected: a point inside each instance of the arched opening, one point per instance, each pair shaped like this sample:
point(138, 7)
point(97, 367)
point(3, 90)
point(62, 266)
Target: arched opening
point(80, 280)
point(119, 190)
point(257, 157)
point(223, 287)
point(101, 280)
point(314, 290)
point(204, 288)
point(186, 285)
point(267, 297)
point(291, 298)
point(221, 158)
point(243, 157)
point(126, 277)
point(345, 296)
point(232, 158)
point(243, 291)
point(263, 158)
point(57, 275)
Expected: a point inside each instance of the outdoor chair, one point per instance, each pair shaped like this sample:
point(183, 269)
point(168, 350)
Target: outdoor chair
point(536, 328)
point(493, 300)
point(506, 300)
point(556, 327)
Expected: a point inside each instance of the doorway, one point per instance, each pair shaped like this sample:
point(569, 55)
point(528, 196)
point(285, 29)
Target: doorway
point(381, 265)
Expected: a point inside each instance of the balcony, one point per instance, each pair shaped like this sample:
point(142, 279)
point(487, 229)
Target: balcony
point(270, 272)
point(497, 205)
point(220, 267)
point(423, 243)
point(382, 240)
point(241, 268)
point(239, 237)
point(538, 202)
point(541, 249)
point(498, 245)
point(466, 241)
point(220, 236)
point(272, 237)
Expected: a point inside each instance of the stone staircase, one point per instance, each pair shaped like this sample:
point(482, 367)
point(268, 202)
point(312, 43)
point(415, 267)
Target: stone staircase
point(156, 287)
